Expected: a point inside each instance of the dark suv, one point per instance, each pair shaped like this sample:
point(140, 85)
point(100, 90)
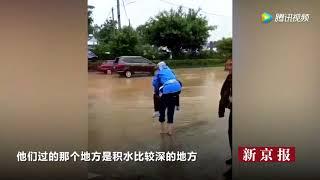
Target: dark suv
point(129, 65)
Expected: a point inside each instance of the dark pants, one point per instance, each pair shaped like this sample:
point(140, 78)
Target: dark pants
point(168, 102)
point(178, 100)
point(156, 101)
point(230, 130)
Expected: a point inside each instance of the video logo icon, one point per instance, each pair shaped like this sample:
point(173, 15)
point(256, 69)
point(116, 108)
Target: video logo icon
point(266, 18)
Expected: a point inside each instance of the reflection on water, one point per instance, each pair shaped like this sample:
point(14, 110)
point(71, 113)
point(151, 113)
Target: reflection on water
point(120, 119)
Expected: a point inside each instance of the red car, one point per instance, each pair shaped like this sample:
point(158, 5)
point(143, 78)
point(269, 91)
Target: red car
point(107, 66)
point(129, 65)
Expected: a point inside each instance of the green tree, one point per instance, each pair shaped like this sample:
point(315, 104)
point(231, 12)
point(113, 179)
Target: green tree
point(224, 47)
point(197, 31)
point(177, 30)
point(141, 31)
point(124, 42)
point(106, 32)
point(96, 30)
point(90, 19)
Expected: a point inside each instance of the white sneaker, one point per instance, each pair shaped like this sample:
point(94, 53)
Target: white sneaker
point(156, 114)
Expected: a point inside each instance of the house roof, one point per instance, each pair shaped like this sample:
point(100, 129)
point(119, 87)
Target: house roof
point(92, 41)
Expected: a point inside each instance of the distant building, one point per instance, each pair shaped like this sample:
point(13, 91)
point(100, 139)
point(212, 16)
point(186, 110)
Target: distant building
point(211, 45)
point(92, 41)
point(165, 50)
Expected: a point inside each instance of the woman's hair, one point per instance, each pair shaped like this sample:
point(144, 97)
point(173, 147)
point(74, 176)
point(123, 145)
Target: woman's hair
point(228, 61)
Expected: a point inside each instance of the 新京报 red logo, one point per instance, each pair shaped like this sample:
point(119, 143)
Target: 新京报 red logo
point(266, 154)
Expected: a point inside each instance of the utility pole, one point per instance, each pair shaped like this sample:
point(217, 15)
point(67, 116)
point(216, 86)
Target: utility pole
point(112, 14)
point(114, 29)
point(118, 10)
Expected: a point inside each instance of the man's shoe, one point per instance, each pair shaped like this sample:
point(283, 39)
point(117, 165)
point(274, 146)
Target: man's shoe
point(156, 114)
point(229, 161)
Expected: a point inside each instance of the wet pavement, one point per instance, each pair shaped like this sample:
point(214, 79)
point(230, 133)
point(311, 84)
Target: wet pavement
point(120, 119)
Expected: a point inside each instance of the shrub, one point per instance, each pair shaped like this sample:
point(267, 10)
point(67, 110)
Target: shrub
point(103, 51)
point(148, 51)
point(205, 54)
point(187, 63)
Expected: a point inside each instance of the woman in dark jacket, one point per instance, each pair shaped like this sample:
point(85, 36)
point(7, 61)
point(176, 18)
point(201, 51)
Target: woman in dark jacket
point(226, 102)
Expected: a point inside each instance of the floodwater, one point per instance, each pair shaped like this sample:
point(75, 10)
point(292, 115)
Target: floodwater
point(120, 119)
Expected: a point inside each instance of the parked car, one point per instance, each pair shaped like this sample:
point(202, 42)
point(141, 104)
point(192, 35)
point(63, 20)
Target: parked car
point(92, 56)
point(129, 65)
point(107, 66)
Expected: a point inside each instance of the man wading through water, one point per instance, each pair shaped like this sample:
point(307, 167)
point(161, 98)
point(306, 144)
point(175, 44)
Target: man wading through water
point(169, 88)
point(226, 102)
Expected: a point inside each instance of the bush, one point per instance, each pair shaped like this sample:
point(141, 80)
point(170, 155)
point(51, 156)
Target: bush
point(224, 48)
point(189, 63)
point(148, 51)
point(103, 52)
point(205, 54)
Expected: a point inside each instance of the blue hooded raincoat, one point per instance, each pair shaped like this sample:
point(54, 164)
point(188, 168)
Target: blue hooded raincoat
point(165, 80)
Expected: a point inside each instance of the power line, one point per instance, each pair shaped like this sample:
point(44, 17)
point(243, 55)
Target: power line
point(186, 7)
point(131, 2)
point(109, 14)
point(125, 11)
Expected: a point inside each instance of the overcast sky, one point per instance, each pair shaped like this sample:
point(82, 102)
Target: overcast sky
point(218, 12)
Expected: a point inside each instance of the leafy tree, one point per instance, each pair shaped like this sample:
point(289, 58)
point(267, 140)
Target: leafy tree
point(106, 32)
point(224, 48)
point(96, 30)
point(124, 42)
point(197, 31)
point(177, 30)
point(141, 31)
point(90, 19)
point(116, 42)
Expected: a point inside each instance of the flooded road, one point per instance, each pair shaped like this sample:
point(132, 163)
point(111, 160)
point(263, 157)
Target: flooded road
point(120, 119)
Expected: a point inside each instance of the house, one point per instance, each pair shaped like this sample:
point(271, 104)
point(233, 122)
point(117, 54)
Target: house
point(92, 41)
point(211, 45)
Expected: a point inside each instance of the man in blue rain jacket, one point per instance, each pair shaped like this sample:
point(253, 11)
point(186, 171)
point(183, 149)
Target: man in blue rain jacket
point(166, 84)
